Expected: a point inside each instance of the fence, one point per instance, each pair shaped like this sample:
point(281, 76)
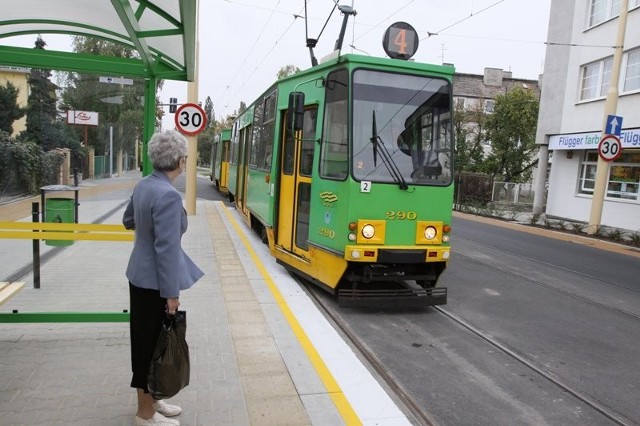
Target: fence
point(101, 166)
point(512, 193)
point(478, 190)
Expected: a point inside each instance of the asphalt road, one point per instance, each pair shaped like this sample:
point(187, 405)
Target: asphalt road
point(569, 309)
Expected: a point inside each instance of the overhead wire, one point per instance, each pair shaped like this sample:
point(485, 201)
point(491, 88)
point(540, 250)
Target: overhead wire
point(381, 22)
point(429, 34)
point(512, 40)
point(295, 16)
point(235, 75)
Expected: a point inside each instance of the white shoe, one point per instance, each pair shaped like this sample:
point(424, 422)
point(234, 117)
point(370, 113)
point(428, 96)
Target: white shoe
point(157, 420)
point(167, 410)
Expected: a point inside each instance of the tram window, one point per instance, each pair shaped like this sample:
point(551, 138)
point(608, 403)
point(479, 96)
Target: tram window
point(258, 129)
point(334, 157)
point(302, 222)
point(308, 141)
point(235, 145)
point(266, 145)
point(288, 152)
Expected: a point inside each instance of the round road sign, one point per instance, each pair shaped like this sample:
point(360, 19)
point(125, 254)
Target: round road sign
point(609, 148)
point(190, 119)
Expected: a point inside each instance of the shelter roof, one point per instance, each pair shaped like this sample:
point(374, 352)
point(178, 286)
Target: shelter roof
point(162, 32)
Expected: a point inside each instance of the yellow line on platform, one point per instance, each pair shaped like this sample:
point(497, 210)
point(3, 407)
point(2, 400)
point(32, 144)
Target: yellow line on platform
point(333, 389)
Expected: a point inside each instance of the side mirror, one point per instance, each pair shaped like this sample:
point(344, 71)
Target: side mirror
point(295, 111)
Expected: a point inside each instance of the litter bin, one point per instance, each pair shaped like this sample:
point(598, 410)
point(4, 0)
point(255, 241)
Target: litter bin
point(60, 210)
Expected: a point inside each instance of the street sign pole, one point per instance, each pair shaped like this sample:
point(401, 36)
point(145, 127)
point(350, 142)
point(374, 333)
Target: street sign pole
point(602, 168)
point(192, 160)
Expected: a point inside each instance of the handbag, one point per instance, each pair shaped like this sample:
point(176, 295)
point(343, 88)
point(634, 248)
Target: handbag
point(169, 370)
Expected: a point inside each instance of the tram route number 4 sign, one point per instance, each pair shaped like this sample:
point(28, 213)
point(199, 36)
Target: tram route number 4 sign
point(609, 148)
point(190, 119)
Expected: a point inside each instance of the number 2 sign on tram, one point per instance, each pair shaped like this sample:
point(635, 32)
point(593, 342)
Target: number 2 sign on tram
point(609, 148)
point(190, 119)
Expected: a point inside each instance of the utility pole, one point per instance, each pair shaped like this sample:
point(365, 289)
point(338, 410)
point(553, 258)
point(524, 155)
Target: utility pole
point(602, 168)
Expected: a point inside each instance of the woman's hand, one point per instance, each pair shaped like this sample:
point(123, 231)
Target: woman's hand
point(172, 305)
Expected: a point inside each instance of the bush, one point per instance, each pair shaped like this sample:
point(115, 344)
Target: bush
point(614, 234)
point(24, 167)
point(534, 219)
point(577, 227)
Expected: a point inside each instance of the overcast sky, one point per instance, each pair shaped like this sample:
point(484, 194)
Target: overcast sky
point(243, 43)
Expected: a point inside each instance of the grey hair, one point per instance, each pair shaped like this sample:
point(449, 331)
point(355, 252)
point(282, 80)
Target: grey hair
point(166, 148)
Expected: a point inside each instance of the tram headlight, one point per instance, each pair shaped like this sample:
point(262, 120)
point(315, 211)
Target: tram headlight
point(368, 231)
point(352, 236)
point(430, 232)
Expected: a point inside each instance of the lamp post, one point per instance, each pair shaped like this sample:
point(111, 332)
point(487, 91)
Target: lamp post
point(602, 167)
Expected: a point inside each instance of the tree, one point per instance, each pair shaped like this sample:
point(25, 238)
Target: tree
point(512, 131)
point(41, 111)
point(9, 109)
point(208, 110)
point(286, 71)
point(119, 105)
point(205, 142)
point(470, 135)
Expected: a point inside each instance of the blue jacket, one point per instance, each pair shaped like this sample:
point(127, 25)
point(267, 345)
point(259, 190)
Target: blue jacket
point(157, 261)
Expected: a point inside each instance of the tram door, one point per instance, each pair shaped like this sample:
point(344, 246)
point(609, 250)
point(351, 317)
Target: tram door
point(295, 186)
point(241, 188)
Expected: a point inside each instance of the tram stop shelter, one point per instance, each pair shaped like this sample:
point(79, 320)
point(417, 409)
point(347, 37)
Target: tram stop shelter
point(162, 32)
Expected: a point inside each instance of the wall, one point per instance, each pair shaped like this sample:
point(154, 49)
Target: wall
point(18, 77)
point(571, 45)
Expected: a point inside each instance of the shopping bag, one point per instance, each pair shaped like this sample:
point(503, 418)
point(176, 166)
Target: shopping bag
point(169, 369)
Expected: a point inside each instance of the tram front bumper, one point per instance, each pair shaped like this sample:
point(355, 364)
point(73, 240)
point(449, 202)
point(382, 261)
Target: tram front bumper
point(385, 254)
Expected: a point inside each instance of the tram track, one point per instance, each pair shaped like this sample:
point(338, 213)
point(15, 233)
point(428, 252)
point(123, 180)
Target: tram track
point(420, 415)
point(513, 354)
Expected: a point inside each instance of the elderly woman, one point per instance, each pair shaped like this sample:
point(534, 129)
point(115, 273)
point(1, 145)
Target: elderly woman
point(158, 267)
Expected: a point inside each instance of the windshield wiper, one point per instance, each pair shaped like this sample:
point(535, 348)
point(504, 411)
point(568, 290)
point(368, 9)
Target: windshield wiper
point(391, 165)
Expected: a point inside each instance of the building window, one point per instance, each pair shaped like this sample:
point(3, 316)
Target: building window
point(595, 79)
point(632, 72)
point(488, 106)
point(602, 10)
point(624, 176)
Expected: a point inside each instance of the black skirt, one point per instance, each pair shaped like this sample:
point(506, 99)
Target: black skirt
point(147, 311)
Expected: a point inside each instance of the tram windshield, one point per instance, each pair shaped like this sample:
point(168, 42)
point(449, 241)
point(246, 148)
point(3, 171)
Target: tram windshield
point(411, 117)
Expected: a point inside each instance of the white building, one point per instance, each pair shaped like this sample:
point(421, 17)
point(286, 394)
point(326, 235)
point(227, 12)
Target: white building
point(577, 72)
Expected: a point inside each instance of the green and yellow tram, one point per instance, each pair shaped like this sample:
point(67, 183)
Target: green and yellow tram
point(220, 160)
point(345, 169)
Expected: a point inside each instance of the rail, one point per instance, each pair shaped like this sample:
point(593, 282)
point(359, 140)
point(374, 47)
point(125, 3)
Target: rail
point(37, 231)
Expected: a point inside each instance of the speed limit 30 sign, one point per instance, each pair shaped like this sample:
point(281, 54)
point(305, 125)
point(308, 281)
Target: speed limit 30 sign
point(609, 148)
point(190, 119)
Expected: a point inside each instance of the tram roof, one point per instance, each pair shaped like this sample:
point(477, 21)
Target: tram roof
point(162, 32)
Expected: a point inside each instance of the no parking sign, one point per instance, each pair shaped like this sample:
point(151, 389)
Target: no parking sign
point(190, 119)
